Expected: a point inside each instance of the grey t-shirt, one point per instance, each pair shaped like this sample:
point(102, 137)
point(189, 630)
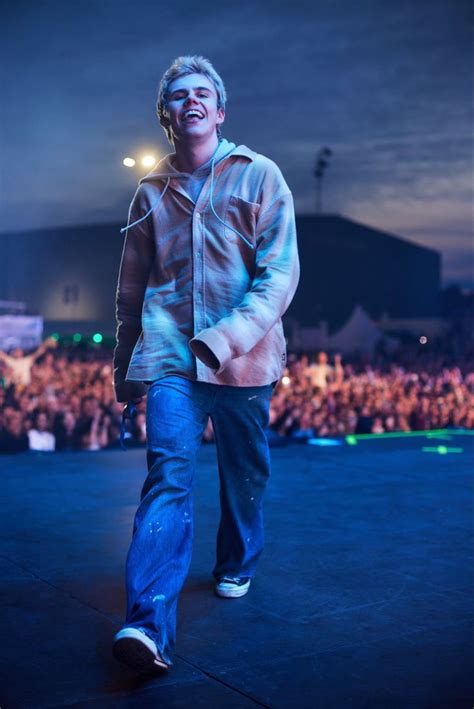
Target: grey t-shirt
point(195, 182)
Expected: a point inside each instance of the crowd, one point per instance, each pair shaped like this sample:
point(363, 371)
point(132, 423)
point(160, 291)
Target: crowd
point(60, 399)
point(322, 399)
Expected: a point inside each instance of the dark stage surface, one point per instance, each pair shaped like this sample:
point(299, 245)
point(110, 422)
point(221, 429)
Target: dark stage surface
point(363, 596)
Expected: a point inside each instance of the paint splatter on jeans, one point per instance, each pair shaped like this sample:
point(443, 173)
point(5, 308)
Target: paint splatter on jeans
point(160, 552)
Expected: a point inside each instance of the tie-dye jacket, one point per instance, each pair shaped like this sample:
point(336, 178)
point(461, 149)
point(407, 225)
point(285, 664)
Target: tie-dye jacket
point(202, 286)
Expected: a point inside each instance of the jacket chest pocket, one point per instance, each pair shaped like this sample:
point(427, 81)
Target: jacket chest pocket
point(241, 216)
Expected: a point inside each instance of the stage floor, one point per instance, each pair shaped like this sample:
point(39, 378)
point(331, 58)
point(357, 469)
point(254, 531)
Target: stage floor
point(362, 598)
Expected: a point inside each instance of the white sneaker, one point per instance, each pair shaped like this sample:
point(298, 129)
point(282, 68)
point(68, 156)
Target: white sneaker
point(232, 586)
point(135, 649)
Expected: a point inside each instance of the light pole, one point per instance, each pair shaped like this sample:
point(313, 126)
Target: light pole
point(322, 162)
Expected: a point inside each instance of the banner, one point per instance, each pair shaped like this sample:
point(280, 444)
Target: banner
point(25, 331)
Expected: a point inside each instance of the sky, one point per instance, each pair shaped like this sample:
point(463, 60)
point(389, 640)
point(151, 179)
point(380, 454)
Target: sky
point(387, 85)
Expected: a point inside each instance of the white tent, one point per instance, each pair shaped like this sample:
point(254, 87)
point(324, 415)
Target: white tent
point(358, 333)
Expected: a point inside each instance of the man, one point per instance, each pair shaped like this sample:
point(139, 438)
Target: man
point(319, 372)
point(19, 365)
point(209, 266)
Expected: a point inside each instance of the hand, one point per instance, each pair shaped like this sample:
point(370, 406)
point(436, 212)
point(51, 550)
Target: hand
point(136, 402)
point(128, 412)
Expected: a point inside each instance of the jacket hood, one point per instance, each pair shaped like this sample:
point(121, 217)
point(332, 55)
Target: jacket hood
point(225, 148)
point(164, 170)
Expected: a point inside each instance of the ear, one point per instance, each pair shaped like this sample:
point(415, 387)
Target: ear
point(220, 118)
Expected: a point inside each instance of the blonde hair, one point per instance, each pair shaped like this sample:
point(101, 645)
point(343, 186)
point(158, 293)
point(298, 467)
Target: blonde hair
point(191, 64)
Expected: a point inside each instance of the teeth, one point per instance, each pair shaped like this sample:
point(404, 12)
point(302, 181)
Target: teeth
point(192, 112)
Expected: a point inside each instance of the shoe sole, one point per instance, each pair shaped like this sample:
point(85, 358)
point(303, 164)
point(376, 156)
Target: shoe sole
point(135, 654)
point(232, 592)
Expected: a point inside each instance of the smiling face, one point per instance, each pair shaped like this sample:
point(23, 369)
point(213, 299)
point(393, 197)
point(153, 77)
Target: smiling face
point(192, 111)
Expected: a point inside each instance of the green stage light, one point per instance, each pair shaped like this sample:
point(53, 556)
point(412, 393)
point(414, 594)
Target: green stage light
point(97, 337)
point(441, 433)
point(77, 337)
point(438, 433)
point(442, 450)
point(55, 336)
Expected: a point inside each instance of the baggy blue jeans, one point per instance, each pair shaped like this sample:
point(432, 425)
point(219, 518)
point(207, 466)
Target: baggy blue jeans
point(160, 552)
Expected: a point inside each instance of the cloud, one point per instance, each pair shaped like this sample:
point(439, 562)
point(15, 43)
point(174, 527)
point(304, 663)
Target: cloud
point(386, 86)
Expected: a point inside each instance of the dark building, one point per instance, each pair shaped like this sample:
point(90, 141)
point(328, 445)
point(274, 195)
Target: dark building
point(344, 263)
point(69, 275)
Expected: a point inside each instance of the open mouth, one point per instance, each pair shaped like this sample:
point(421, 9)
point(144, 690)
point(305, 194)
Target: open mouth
point(192, 115)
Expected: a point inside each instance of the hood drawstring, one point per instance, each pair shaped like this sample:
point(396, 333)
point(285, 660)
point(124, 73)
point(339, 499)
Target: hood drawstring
point(129, 226)
point(182, 174)
point(215, 213)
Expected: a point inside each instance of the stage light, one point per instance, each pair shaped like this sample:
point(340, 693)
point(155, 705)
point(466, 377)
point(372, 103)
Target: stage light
point(97, 337)
point(77, 337)
point(324, 442)
point(285, 381)
point(55, 336)
point(423, 340)
point(148, 161)
point(353, 438)
point(129, 162)
point(442, 450)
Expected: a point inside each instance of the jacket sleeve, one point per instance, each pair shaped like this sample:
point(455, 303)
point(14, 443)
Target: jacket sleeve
point(135, 266)
point(274, 285)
